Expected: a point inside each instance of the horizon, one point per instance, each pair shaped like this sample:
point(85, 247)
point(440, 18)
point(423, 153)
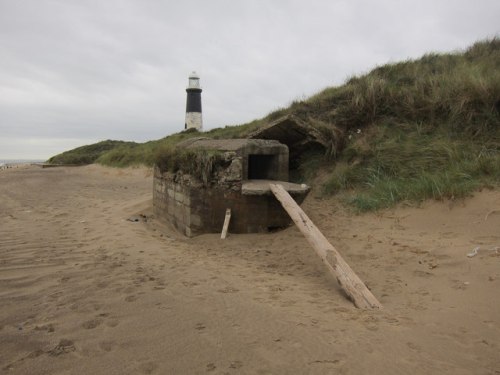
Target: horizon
point(30, 158)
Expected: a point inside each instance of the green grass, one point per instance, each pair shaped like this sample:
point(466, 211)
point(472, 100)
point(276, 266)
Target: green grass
point(407, 131)
point(90, 153)
point(124, 154)
point(394, 164)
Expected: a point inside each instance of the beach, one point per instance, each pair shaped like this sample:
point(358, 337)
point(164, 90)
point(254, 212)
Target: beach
point(84, 290)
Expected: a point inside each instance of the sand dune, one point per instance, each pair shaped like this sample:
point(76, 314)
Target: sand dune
point(85, 291)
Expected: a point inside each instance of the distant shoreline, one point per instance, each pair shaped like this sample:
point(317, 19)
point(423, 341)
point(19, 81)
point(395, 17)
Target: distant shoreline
point(15, 163)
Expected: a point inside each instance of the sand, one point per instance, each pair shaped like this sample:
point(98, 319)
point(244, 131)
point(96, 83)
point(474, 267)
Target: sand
point(85, 291)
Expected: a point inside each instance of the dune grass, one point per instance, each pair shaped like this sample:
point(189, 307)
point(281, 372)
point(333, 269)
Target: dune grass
point(393, 163)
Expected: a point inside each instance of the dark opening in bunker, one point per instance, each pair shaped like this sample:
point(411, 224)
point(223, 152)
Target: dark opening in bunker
point(262, 167)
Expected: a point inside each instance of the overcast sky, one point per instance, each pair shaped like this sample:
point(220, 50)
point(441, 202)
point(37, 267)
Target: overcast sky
point(74, 72)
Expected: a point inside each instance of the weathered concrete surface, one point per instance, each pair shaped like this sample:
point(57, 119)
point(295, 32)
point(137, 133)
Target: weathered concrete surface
point(194, 209)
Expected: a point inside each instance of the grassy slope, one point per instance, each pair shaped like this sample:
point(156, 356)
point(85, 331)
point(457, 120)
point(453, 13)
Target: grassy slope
point(89, 154)
point(419, 129)
point(428, 128)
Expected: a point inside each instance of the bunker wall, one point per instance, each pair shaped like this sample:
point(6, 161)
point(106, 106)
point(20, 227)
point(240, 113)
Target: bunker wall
point(195, 209)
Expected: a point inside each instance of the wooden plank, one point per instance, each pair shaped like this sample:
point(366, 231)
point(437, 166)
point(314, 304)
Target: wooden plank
point(226, 224)
point(348, 280)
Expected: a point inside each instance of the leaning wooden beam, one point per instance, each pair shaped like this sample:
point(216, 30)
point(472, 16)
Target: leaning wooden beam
point(348, 280)
point(226, 224)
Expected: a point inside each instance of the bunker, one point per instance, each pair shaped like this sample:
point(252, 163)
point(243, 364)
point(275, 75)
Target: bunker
point(214, 175)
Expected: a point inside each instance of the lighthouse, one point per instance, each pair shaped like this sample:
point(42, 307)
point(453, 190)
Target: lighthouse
point(193, 104)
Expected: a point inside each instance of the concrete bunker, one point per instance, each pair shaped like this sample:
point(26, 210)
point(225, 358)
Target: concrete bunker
point(214, 175)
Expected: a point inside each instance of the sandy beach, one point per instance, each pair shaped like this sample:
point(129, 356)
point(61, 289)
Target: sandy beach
point(83, 290)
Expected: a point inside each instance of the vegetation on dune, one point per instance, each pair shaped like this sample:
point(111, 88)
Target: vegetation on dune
point(125, 154)
point(90, 153)
point(394, 163)
point(426, 128)
point(200, 163)
point(143, 153)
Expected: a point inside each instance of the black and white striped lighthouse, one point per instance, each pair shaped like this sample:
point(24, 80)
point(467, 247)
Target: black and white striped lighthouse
point(193, 104)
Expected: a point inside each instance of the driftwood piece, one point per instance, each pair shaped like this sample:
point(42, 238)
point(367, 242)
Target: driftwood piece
point(348, 280)
point(226, 224)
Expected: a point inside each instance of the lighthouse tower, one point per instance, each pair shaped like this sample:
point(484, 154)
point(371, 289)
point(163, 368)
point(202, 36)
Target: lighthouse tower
point(193, 103)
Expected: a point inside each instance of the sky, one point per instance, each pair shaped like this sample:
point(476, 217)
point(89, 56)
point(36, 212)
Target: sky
point(74, 72)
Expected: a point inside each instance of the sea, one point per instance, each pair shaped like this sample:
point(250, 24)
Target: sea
point(8, 163)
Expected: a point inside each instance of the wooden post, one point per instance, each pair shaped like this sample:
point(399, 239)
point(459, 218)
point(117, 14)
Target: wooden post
point(226, 224)
point(348, 280)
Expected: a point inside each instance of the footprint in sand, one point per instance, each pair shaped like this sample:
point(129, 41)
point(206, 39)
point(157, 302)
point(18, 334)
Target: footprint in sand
point(65, 346)
point(414, 346)
point(47, 327)
point(35, 354)
point(422, 273)
point(112, 323)
point(131, 298)
point(106, 346)
point(189, 284)
point(101, 284)
point(228, 289)
point(236, 365)
point(200, 326)
point(327, 364)
point(148, 367)
point(91, 324)
point(211, 367)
